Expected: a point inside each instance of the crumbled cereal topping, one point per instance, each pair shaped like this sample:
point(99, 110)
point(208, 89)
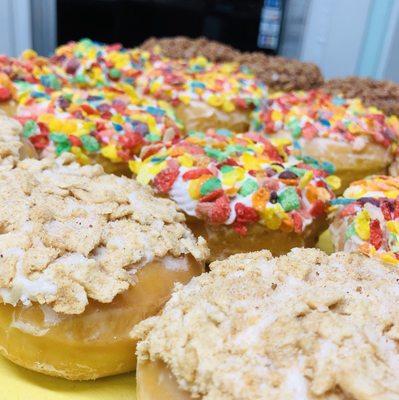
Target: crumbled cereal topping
point(70, 233)
point(301, 326)
point(10, 142)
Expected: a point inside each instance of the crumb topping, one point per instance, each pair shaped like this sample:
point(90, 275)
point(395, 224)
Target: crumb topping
point(70, 233)
point(301, 326)
point(10, 142)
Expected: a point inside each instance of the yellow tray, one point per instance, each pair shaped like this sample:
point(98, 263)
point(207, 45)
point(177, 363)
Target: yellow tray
point(17, 383)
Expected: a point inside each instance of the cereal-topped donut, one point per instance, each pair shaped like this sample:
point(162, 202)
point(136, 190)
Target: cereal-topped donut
point(242, 192)
point(278, 73)
point(358, 140)
point(301, 326)
point(205, 94)
point(20, 75)
point(378, 93)
point(101, 125)
point(91, 64)
point(366, 218)
point(84, 256)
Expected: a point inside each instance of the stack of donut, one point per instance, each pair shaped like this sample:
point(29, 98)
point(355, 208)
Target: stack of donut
point(126, 171)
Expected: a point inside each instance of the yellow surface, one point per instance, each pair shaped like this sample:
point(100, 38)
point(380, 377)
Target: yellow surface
point(17, 383)
point(325, 242)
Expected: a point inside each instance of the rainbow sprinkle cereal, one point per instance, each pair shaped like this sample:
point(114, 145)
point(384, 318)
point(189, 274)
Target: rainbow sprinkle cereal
point(238, 180)
point(366, 218)
point(307, 115)
point(97, 121)
point(226, 86)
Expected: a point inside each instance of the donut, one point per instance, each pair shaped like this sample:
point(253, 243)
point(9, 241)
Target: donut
point(382, 94)
point(366, 218)
point(101, 125)
point(182, 47)
point(84, 257)
point(358, 140)
point(278, 73)
point(13, 147)
point(241, 192)
point(205, 94)
point(301, 326)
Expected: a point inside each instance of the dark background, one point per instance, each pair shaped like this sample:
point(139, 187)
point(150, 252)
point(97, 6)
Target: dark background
point(133, 21)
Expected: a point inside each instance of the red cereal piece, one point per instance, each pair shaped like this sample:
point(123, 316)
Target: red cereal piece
point(348, 210)
point(245, 214)
point(317, 209)
point(386, 210)
point(220, 210)
point(396, 209)
point(196, 173)
point(39, 141)
point(130, 140)
point(5, 94)
point(309, 131)
point(75, 141)
point(164, 181)
point(297, 221)
point(212, 196)
point(375, 233)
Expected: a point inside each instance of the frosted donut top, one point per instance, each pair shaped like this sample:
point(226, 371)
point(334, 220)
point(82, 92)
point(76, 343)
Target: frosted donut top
point(308, 115)
point(72, 233)
point(366, 218)
point(104, 121)
point(301, 326)
point(10, 142)
point(239, 180)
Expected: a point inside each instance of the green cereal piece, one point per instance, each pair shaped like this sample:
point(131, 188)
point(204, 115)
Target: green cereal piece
point(289, 199)
point(248, 187)
point(210, 185)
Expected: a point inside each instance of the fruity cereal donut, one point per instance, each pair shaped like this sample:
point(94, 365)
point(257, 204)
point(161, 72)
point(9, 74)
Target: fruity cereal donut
point(301, 326)
point(358, 140)
point(366, 219)
point(97, 125)
point(241, 192)
point(84, 256)
point(204, 94)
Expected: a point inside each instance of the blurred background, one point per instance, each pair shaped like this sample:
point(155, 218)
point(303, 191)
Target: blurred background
point(344, 37)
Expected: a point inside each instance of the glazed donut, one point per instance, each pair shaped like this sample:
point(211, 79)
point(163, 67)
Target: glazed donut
point(366, 219)
point(13, 147)
point(97, 125)
point(84, 257)
point(205, 95)
point(358, 140)
point(241, 192)
point(301, 326)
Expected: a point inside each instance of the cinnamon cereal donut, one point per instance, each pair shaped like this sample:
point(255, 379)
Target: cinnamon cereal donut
point(241, 192)
point(358, 140)
point(84, 257)
point(301, 326)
